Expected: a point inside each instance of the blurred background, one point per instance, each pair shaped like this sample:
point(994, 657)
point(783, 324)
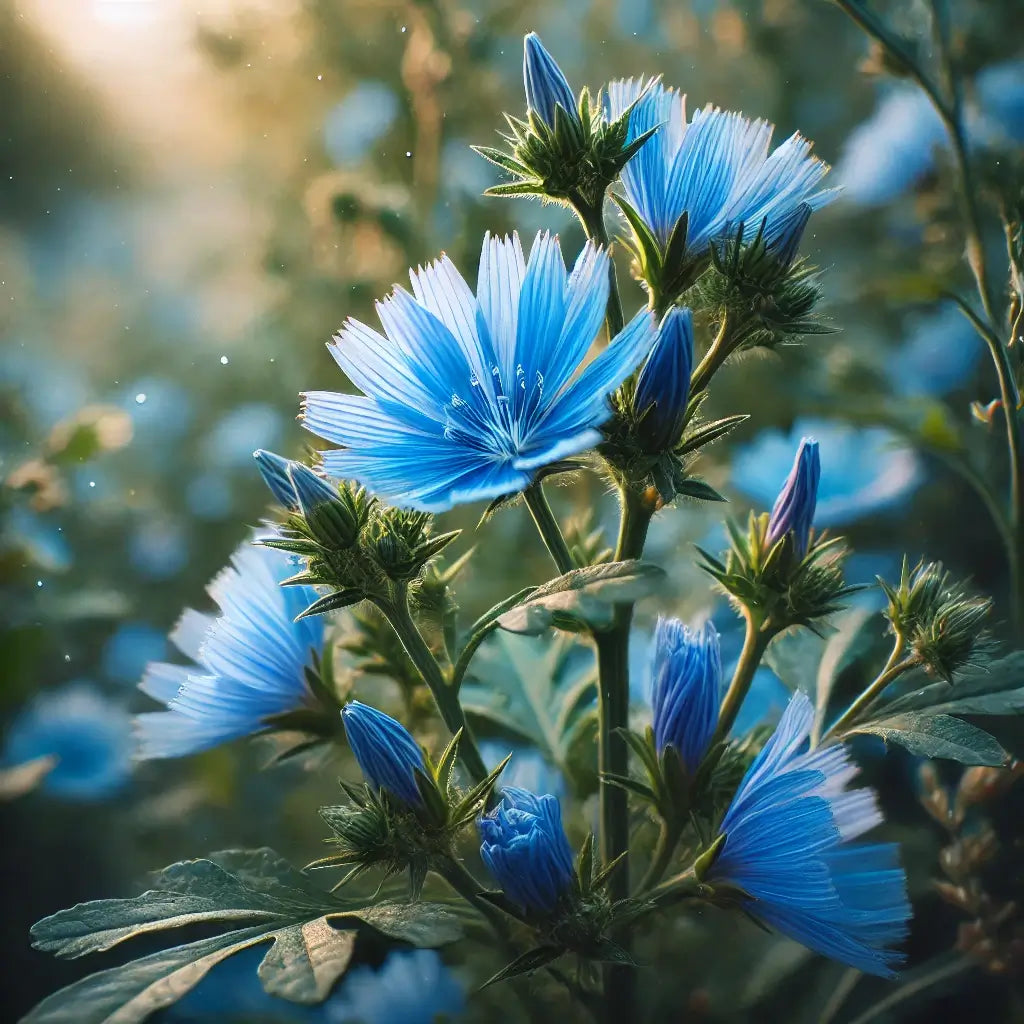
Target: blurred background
point(193, 200)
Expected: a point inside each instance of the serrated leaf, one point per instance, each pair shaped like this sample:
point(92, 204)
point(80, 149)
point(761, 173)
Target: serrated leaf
point(263, 899)
point(931, 735)
point(582, 597)
point(537, 690)
point(532, 960)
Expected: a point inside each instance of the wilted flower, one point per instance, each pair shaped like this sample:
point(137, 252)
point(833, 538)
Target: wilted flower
point(715, 170)
point(465, 397)
point(88, 737)
point(787, 846)
point(793, 512)
point(526, 850)
point(250, 663)
point(686, 689)
point(546, 86)
point(386, 751)
point(663, 384)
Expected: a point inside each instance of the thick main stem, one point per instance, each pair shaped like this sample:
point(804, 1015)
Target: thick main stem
point(444, 695)
point(613, 751)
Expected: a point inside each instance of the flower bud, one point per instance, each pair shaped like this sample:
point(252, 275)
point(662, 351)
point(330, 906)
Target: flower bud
point(274, 470)
point(686, 689)
point(546, 86)
point(526, 850)
point(663, 385)
point(793, 512)
point(785, 241)
point(385, 750)
point(334, 519)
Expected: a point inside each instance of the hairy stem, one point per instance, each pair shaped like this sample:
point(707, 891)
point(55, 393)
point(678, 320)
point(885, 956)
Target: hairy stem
point(893, 668)
point(547, 527)
point(668, 837)
point(759, 634)
point(445, 696)
point(593, 223)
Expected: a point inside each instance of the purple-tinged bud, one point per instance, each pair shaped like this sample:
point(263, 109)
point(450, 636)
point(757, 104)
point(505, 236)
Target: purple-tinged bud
point(546, 86)
point(793, 512)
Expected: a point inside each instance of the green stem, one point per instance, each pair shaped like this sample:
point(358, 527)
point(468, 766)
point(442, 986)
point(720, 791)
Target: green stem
point(759, 634)
point(893, 668)
point(721, 348)
point(444, 695)
point(592, 219)
point(613, 751)
point(547, 526)
point(668, 837)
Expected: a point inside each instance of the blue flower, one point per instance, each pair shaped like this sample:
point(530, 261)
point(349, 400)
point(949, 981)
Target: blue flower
point(793, 512)
point(386, 751)
point(788, 832)
point(938, 355)
point(249, 663)
point(526, 850)
point(89, 736)
point(412, 987)
point(663, 384)
point(686, 689)
point(716, 169)
point(865, 469)
point(546, 86)
point(130, 648)
point(364, 116)
point(466, 398)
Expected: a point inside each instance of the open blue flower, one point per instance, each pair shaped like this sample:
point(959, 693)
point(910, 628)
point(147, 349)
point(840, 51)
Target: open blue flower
point(386, 751)
point(465, 398)
point(793, 511)
point(89, 737)
point(716, 168)
point(526, 850)
point(249, 663)
point(686, 688)
point(788, 845)
point(865, 470)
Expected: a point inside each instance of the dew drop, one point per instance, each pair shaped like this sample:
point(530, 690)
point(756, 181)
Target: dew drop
point(92, 483)
point(408, 152)
point(39, 583)
point(67, 657)
point(223, 360)
point(140, 398)
point(319, 78)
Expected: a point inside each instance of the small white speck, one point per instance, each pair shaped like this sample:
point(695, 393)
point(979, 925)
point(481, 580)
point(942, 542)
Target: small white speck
point(39, 583)
point(223, 360)
point(140, 398)
point(403, 28)
point(92, 483)
point(408, 152)
point(319, 78)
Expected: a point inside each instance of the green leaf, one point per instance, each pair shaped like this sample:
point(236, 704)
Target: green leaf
point(996, 689)
point(539, 691)
point(931, 735)
point(856, 631)
point(582, 598)
point(262, 898)
point(529, 961)
point(332, 602)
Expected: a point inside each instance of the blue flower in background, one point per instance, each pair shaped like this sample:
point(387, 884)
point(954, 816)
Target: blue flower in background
point(863, 470)
point(663, 384)
point(44, 542)
point(250, 661)
point(716, 169)
point(938, 354)
point(352, 126)
point(158, 548)
point(793, 511)
point(787, 831)
point(130, 648)
point(686, 688)
point(892, 150)
point(526, 850)
point(546, 86)
point(895, 148)
point(411, 987)
point(161, 410)
point(387, 754)
point(466, 398)
point(90, 737)
point(208, 496)
point(528, 769)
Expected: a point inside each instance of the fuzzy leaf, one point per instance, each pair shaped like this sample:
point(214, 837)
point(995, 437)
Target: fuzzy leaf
point(930, 735)
point(996, 689)
point(260, 897)
point(582, 598)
